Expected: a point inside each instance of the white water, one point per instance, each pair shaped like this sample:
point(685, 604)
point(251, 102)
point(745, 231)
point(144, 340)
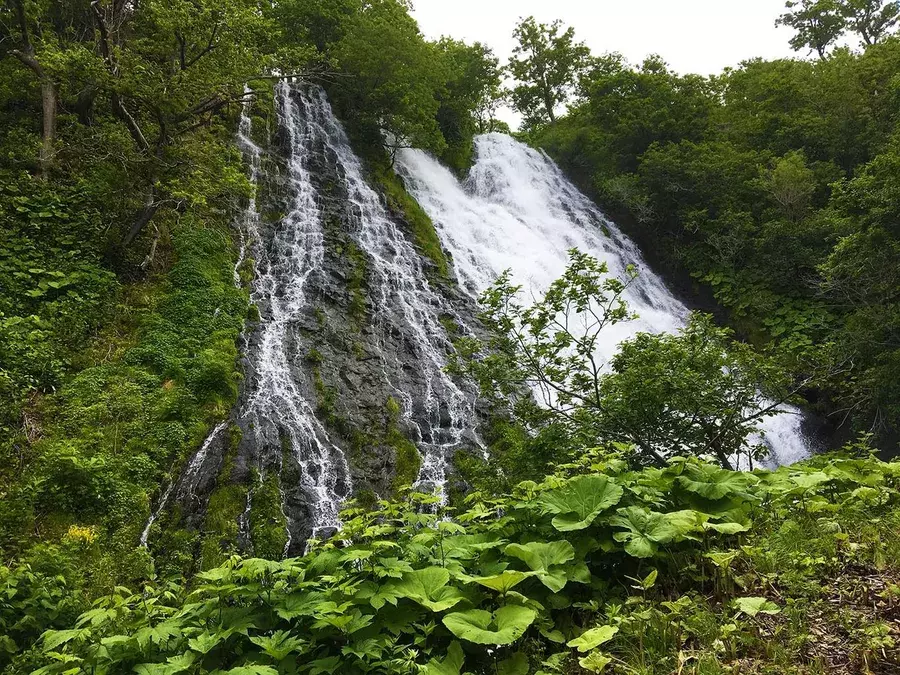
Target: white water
point(517, 211)
point(276, 405)
point(404, 304)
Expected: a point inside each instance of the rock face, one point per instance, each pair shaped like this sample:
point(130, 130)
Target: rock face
point(345, 390)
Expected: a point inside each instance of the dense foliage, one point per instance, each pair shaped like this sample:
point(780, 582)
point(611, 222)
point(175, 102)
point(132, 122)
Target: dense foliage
point(773, 186)
point(122, 296)
point(689, 568)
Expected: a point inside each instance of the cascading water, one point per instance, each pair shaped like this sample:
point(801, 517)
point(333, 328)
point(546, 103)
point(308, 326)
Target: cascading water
point(517, 211)
point(404, 305)
point(276, 411)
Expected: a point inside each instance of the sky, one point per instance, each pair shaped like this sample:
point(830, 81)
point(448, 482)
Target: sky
point(693, 36)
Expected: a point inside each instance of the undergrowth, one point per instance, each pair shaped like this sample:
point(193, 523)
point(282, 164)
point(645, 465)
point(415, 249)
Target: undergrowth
point(598, 568)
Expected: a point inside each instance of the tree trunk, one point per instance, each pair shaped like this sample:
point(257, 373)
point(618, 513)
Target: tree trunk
point(48, 134)
point(144, 216)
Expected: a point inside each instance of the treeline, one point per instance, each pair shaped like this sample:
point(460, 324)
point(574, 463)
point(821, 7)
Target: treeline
point(773, 184)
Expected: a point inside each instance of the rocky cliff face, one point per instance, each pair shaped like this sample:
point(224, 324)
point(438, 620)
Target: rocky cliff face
point(345, 392)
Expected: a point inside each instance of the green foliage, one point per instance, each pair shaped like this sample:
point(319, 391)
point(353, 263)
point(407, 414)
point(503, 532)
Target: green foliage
point(818, 24)
point(268, 527)
point(773, 186)
point(546, 63)
point(695, 392)
point(419, 223)
point(495, 587)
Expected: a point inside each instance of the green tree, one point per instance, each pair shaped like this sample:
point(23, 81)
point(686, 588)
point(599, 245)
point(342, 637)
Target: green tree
point(546, 63)
point(697, 392)
point(791, 184)
point(470, 97)
point(871, 19)
point(818, 24)
point(389, 77)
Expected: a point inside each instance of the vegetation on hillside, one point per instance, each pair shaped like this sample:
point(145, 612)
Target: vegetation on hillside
point(119, 313)
point(597, 568)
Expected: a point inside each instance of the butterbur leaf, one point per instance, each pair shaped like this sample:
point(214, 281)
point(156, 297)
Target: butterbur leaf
point(712, 482)
point(810, 480)
point(503, 627)
point(726, 528)
point(450, 665)
point(595, 662)
point(429, 588)
point(517, 664)
point(546, 560)
point(645, 530)
point(753, 606)
point(580, 501)
point(592, 638)
point(502, 582)
point(542, 556)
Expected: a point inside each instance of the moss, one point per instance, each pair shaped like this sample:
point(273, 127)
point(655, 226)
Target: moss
point(407, 460)
point(226, 504)
point(356, 283)
point(420, 224)
point(268, 527)
point(314, 356)
point(449, 323)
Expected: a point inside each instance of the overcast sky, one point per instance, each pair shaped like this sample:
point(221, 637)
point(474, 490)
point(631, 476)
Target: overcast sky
point(696, 36)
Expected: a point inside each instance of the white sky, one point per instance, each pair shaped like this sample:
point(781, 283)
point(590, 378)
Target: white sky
point(693, 36)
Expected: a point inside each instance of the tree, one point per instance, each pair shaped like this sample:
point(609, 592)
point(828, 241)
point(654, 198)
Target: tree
point(697, 392)
point(818, 24)
point(389, 77)
point(27, 54)
point(871, 19)
point(470, 97)
point(791, 184)
point(546, 64)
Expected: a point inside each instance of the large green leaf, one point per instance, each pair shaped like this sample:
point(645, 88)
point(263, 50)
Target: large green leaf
point(711, 482)
point(593, 638)
point(450, 665)
point(502, 582)
point(503, 627)
point(753, 606)
point(428, 587)
point(546, 560)
point(580, 501)
point(595, 662)
point(645, 530)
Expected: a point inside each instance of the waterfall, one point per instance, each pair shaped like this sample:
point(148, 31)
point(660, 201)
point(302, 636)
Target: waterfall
point(404, 304)
point(276, 410)
point(518, 211)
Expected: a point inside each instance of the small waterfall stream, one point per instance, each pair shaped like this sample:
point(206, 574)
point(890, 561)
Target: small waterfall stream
point(404, 303)
point(276, 410)
point(518, 211)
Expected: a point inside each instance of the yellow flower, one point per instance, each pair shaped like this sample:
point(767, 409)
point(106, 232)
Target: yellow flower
point(85, 535)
